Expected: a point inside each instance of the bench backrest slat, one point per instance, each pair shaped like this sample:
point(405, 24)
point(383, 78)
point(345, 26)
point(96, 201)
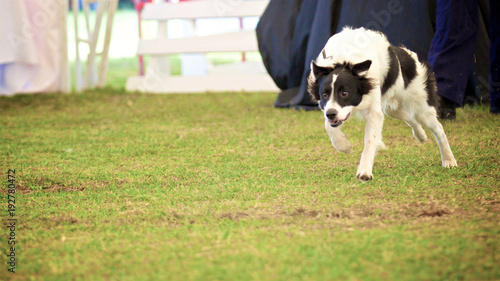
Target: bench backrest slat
point(204, 9)
point(242, 41)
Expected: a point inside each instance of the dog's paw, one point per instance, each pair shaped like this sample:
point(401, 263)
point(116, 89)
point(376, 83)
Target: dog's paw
point(344, 146)
point(364, 172)
point(365, 177)
point(450, 163)
point(347, 149)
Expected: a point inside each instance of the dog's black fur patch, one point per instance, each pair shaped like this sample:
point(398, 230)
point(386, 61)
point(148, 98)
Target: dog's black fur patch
point(346, 82)
point(430, 87)
point(324, 86)
point(313, 83)
point(393, 72)
point(408, 65)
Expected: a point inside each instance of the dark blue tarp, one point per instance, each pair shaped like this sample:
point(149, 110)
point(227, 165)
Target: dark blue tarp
point(291, 33)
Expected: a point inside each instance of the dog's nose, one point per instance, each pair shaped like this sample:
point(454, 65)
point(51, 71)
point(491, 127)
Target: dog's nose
point(331, 113)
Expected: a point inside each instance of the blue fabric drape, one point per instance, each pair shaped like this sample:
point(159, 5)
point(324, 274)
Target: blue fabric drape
point(291, 33)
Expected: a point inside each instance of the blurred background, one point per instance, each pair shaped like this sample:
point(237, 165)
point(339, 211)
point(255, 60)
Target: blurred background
point(33, 30)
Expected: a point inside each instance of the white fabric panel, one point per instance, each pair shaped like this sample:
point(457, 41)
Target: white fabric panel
point(30, 48)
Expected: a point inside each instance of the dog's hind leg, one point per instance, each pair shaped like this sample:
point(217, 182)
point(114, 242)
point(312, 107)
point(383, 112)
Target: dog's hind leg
point(339, 140)
point(428, 118)
point(402, 114)
point(418, 131)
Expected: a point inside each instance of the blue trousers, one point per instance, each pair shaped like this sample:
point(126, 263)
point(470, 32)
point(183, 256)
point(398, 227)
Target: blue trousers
point(451, 53)
point(495, 56)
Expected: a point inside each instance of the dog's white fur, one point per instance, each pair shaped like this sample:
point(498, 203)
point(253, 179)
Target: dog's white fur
point(410, 104)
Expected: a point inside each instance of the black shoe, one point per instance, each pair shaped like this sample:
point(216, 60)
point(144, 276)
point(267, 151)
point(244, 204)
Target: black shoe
point(495, 109)
point(447, 113)
point(447, 109)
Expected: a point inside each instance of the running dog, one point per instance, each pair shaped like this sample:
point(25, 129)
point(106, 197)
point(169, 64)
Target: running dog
point(358, 70)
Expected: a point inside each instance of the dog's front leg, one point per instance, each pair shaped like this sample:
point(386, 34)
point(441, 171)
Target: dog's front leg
point(373, 138)
point(339, 140)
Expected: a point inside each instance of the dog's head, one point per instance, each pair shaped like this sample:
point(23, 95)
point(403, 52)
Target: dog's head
point(339, 88)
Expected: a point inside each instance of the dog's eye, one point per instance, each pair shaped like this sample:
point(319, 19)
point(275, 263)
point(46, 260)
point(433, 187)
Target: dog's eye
point(344, 94)
point(324, 95)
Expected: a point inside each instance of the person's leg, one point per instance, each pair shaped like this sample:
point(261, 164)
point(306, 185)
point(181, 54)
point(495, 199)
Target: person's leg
point(495, 56)
point(452, 50)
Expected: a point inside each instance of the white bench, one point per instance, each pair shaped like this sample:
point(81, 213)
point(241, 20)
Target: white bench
point(247, 76)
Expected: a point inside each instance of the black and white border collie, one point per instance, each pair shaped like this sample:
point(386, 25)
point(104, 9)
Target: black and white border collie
point(358, 70)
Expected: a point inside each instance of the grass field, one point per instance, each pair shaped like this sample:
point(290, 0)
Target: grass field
point(124, 186)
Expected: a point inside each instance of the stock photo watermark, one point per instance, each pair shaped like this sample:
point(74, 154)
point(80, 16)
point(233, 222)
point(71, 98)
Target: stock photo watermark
point(223, 6)
point(381, 18)
point(11, 221)
point(39, 20)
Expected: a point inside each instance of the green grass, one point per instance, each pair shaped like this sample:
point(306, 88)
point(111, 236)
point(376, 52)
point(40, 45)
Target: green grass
point(127, 186)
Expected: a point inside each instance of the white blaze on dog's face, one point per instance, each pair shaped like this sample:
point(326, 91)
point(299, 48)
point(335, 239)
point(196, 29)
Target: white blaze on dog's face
point(339, 89)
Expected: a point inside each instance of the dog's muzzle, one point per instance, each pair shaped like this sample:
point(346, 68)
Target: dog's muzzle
point(332, 114)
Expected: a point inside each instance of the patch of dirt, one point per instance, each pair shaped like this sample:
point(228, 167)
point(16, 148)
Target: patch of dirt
point(434, 213)
point(491, 203)
point(44, 185)
point(51, 188)
point(301, 212)
point(177, 216)
point(234, 217)
point(54, 221)
point(368, 215)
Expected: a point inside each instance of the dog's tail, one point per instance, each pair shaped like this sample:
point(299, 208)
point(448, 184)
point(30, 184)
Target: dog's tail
point(433, 98)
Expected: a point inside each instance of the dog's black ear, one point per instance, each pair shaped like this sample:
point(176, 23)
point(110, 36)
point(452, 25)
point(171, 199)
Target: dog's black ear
point(313, 79)
point(361, 68)
point(320, 70)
